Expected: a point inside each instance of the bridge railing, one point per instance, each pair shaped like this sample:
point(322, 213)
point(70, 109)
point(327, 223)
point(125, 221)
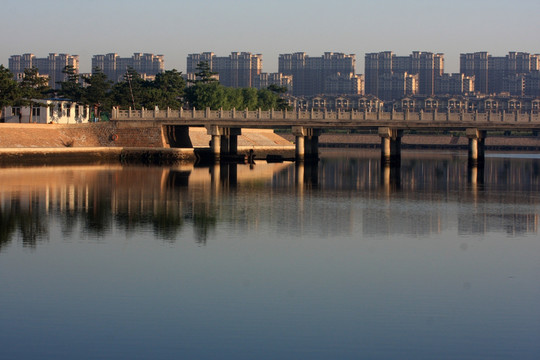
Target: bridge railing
point(207, 114)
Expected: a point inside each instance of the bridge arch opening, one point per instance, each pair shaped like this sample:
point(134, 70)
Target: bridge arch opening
point(177, 136)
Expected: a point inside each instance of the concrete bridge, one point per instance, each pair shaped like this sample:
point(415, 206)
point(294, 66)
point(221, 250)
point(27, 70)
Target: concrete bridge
point(225, 126)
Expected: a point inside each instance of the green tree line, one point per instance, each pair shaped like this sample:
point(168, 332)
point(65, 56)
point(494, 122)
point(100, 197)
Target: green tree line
point(168, 89)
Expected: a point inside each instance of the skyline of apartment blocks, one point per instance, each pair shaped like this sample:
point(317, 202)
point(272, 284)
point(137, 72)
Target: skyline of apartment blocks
point(513, 73)
point(115, 67)
point(52, 66)
point(387, 75)
point(380, 68)
point(238, 70)
point(311, 74)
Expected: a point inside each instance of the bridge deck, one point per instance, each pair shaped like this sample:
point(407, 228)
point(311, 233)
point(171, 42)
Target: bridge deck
point(336, 120)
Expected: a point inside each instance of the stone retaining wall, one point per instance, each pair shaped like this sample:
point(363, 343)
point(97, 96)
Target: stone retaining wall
point(118, 134)
point(80, 135)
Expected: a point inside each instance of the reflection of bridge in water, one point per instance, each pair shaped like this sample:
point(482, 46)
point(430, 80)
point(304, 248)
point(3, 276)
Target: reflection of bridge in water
point(337, 196)
point(224, 127)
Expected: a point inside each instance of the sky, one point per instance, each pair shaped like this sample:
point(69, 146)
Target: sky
point(176, 28)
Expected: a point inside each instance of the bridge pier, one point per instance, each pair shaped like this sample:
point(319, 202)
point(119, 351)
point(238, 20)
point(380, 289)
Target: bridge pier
point(390, 145)
point(215, 146)
point(476, 146)
point(306, 143)
point(224, 141)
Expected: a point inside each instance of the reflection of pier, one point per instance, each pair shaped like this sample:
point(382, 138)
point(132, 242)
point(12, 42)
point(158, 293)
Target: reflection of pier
point(224, 175)
point(306, 174)
point(475, 174)
point(390, 176)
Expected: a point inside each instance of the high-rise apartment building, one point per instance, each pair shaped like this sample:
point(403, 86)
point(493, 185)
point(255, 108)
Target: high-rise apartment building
point(264, 80)
point(52, 66)
point(394, 86)
point(237, 70)
point(514, 84)
point(382, 66)
point(476, 64)
point(311, 74)
point(193, 60)
point(532, 84)
point(344, 84)
point(491, 72)
point(115, 67)
point(454, 84)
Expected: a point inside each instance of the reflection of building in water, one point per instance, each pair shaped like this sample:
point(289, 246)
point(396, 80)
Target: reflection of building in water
point(342, 195)
point(424, 220)
point(497, 219)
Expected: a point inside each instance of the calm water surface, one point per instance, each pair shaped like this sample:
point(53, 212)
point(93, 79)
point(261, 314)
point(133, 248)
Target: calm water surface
point(343, 260)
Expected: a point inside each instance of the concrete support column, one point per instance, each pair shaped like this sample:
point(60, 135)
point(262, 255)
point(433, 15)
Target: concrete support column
point(215, 143)
point(307, 146)
point(300, 150)
point(385, 148)
point(215, 146)
point(224, 140)
point(473, 149)
point(313, 148)
point(225, 144)
point(395, 147)
point(307, 143)
point(233, 144)
point(476, 145)
point(390, 145)
point(233, 140)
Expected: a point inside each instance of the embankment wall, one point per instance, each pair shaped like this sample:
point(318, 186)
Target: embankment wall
point(80, 135)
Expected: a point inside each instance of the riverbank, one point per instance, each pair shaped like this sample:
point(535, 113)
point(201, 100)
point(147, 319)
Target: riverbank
point(40, 144)
point(92, 155)
point(99, 143)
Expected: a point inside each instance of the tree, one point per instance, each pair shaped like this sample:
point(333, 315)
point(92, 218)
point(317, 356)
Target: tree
point(32, 87)
point(250, 98)
point(281, 103)
point(9, 91)
point(205, 91)
point(170, 87)
point(206, 95)
point(130, 91)
point(97, 91)
point(71, 88)
point(204, 74)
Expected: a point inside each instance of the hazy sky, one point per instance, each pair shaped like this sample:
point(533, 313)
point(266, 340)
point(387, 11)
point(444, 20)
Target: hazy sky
point(270, 27)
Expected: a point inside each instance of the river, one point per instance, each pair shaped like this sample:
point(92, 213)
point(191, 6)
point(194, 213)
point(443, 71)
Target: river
point(344, 259)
